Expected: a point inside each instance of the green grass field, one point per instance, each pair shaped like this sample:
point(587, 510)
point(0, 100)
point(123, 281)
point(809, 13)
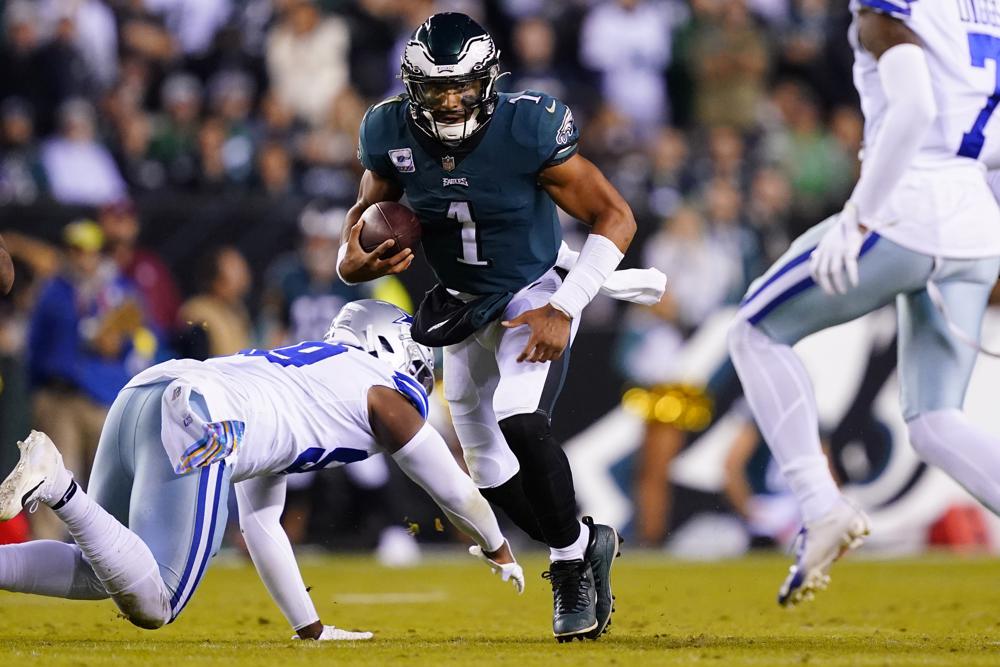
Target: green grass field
point(932, 611)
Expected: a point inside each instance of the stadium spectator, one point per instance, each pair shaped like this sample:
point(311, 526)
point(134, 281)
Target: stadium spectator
point(79, 169)
point(231, 98)
point(728, 58)
point(533, 64)
point(219, 306)
point(669, 177)
point(820, 169)
point(63, 73)
point(192, 23)
point(175, 133)
point(769, 211)
point(632, 68)
point(329, 152)
point(132, 152)
point(143, 35)
point(95, 36)
point(212, 174)
point(19, 65)
point(307, 59)
point(22, 177)
point(152, 277)
point(274, 170)
point(86, 339)
point(704, 271)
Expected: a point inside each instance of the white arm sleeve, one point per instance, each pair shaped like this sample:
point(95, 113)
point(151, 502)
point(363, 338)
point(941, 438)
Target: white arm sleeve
point(910, 113)
point(597, 260)
point(427, 461)
point(260, 501)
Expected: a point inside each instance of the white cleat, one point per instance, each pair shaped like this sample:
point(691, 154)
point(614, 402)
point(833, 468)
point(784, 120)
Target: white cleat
point(334, 634)
point(820, 544)
point(511, 572)
point(31, 480)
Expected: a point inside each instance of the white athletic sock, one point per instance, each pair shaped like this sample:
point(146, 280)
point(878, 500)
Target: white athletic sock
point(946, 439)
point(427, 461)
point(47, 567)
point(575, 551)
point(120, 559)
point(780, 394)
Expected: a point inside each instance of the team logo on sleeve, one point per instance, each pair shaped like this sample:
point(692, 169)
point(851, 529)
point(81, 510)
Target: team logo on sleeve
point(565, 129)
point(402, 160)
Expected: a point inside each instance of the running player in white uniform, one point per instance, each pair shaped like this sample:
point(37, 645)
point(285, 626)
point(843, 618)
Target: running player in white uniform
point(920, 227)
point(181, 431)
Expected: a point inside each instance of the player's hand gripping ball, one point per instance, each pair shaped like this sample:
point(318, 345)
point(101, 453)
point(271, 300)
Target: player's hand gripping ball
point(381, 243)
point(389, 220)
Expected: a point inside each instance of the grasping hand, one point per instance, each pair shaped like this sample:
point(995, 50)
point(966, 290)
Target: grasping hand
point(550, 329)
point(360, 266)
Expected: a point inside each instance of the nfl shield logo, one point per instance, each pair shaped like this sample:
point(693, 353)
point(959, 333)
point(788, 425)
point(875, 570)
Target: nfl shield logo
point(448, 163)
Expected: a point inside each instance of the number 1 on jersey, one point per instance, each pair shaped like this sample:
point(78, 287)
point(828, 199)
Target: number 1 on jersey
point(461, 211)
point(982, 48)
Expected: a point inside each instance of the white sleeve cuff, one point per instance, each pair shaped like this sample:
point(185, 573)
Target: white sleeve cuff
point(341, 253)
point(598, 260)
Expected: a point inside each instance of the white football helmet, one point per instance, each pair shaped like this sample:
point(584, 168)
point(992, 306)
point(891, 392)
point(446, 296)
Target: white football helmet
point(383, 331)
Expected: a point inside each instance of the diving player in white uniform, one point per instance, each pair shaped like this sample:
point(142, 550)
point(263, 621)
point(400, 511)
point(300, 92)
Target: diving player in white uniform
point(922, 229)
point(181, 431)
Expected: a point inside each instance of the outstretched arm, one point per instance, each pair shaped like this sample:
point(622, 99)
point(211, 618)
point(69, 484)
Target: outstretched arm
point(354, 265)
point(261, 501)
point(910, 112)
point(579, 188)
point(911, 108)
point(422, 454)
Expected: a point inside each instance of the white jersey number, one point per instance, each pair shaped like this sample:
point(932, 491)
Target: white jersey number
point(461, 211)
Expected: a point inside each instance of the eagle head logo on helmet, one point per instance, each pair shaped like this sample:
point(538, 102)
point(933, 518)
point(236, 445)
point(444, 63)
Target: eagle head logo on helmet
point(450, 68)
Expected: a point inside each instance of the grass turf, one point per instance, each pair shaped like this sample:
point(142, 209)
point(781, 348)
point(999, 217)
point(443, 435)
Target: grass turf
point(929, 611)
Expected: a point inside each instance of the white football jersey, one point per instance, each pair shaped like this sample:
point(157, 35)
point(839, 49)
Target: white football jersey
point(942, 206)
point(292, 409)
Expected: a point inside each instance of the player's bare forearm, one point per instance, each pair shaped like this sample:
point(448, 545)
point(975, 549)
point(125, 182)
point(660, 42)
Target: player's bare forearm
point(578, 187)
point(358, 266)
point(6, 268)
point(878, 33)
point(373, 189)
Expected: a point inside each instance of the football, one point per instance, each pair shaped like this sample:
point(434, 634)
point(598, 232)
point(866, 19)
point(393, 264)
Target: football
point(389, 220)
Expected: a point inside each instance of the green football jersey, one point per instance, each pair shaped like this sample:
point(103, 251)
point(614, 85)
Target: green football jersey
point(488, 226)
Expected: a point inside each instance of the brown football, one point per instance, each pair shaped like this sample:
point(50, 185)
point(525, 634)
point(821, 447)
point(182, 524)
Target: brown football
point(389, 220)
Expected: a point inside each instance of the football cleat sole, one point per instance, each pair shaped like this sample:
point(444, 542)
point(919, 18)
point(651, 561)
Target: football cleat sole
point(802, 587)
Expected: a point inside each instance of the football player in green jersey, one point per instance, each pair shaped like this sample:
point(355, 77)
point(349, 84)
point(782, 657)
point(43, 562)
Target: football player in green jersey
point(484, 172)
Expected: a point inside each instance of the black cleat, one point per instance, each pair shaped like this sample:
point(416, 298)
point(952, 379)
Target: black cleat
point(602, 549)
point(574, 599)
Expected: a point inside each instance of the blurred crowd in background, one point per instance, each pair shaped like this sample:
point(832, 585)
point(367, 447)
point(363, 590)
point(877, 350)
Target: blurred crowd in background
point(174, 173)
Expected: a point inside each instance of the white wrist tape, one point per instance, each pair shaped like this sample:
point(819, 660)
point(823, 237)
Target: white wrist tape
point(911, 110)
point(341, 253)
point(598, 260)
